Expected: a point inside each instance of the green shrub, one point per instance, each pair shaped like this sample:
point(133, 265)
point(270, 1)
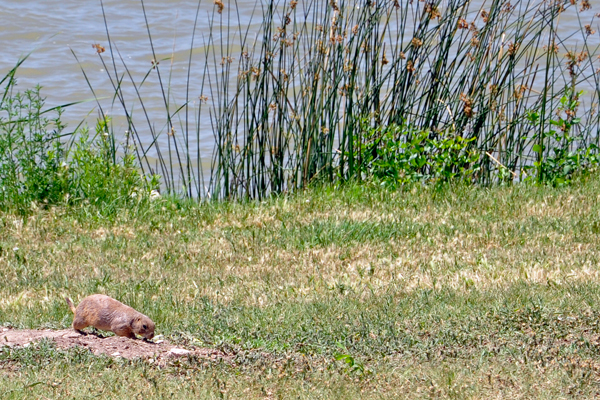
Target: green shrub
point(399, 154)
point(40, 167)
point(32, 158)
point(98, 177)
point(569, 153)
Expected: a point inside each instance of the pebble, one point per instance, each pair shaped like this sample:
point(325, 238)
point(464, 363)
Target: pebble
point(178, 352)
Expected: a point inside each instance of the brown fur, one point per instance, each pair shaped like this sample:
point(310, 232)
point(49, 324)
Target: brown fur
point(108, 314)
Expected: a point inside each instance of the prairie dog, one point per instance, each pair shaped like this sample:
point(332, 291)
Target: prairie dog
point(105, 313)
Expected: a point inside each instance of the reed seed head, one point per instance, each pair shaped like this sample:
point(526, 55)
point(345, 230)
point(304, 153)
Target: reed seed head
point(99, 49)
point(553, 48)
point(585, 5)
point(485, 16)
point(416, 42)
point(507, 8)
point(433, 11)
point(588, 30)
point(280, 33)
point(462, 24)
point(220, 6)
point(575, 60)
point(467, 105)
point(520, 91)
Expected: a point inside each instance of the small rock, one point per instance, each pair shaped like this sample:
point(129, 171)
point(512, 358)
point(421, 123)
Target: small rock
point(178, 352)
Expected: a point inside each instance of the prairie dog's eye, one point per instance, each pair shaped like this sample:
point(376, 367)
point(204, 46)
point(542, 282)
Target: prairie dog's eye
point(145, 327)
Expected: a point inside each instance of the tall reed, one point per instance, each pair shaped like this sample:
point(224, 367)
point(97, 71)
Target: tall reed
point(293, 100)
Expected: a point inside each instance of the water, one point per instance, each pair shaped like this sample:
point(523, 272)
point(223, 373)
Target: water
point(52, 30)
point(55, 31)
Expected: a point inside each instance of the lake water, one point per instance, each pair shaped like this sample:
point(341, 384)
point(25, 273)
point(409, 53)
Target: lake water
point(52, 30)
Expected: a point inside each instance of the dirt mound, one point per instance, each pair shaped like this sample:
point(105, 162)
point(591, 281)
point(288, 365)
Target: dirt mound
point(114, 346)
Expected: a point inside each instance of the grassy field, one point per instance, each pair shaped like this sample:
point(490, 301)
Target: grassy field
point(353, 292)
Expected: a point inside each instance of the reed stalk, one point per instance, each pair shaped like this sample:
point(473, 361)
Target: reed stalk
point(297, 98)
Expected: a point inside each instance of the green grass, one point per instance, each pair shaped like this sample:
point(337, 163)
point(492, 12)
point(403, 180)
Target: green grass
point(354, 291)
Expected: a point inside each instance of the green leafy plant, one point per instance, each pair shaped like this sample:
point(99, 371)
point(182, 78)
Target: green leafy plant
point(97, 175)
point(400, 154)
point(41, 164)
point(565, 154)
point(352, 366)
point(32, 159)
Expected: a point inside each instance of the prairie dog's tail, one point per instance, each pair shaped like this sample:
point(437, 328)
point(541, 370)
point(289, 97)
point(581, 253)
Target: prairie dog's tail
point(70, 304)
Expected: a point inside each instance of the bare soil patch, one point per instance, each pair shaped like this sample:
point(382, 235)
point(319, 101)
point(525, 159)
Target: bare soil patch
point(114, 346)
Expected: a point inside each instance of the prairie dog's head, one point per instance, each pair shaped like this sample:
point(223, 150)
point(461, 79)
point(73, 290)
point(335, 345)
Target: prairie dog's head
point(144, 326)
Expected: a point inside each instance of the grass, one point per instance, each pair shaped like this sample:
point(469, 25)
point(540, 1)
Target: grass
point(354, 291)
point(357, 291)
